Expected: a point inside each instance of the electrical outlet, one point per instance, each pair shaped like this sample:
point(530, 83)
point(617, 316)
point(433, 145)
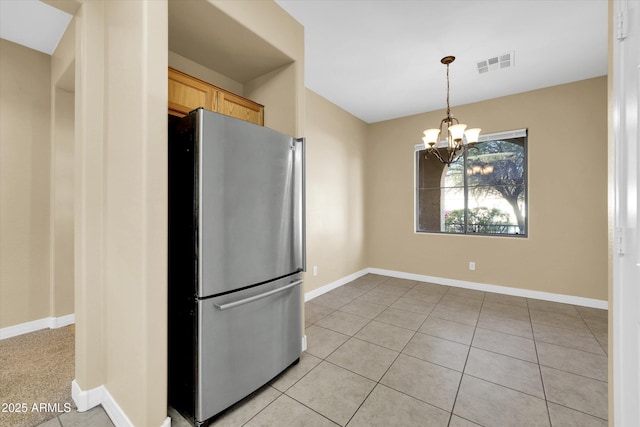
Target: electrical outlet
point(472, 265)
point(315, 270)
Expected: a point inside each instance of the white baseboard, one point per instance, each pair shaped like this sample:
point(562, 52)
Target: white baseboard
point(36, 325)
point(304, 343)
point(331, 286)
point(547, 296)
point(526, 293)
point(59, 322)
point(86, 400)
point(115, 412)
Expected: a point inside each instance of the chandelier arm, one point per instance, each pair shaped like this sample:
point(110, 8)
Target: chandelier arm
point(460, 149)
point(434, 150)
point(453, 155)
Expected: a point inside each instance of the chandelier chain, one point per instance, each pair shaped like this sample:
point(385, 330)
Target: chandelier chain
point(448, 107)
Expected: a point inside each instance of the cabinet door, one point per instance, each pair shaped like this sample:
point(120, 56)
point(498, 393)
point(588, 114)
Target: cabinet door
point(187, 93)
point(240, 108)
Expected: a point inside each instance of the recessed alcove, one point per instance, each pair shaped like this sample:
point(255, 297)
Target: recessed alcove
point(213, 41)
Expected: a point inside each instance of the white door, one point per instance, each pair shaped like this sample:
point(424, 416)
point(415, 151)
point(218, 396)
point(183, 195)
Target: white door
point(626, 257)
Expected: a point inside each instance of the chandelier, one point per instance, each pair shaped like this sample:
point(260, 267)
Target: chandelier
point(457, 138)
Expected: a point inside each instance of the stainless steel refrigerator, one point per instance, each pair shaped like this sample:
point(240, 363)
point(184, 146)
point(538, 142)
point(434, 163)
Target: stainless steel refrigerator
point(236, 257)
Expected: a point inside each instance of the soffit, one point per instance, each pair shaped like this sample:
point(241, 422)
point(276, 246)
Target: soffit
point(202, 33)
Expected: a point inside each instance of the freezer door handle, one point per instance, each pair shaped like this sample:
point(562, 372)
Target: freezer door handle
point(256, 297)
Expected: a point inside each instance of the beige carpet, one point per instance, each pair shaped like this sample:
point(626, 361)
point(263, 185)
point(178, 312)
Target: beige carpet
point(36, 368)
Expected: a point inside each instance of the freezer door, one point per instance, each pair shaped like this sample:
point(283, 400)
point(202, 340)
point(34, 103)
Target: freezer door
point(250, 220)
point(245, 339)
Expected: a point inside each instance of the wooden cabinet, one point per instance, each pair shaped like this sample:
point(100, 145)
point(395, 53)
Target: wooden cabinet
point(240, 108)
point(186, 93)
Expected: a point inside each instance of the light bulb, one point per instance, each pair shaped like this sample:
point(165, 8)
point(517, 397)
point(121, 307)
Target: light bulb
point(472, 135)
point(431, 136)
point(457, 131)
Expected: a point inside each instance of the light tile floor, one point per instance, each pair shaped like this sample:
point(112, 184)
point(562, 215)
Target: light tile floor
point(392, 352)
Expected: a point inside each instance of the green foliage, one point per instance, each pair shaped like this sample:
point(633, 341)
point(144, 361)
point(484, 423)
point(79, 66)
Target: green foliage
point(481, 220)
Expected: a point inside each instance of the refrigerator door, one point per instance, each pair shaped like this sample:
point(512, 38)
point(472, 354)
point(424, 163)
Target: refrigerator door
point(250, 223)
point(245, 339)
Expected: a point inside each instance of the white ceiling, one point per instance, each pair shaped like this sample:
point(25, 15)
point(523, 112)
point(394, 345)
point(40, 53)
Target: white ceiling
point(32, 23)
point(380, 59)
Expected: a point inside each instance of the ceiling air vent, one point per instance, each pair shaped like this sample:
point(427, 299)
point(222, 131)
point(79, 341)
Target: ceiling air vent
point(496, 63)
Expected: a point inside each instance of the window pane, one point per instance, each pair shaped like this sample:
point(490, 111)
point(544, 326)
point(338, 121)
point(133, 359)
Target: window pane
point(442, 210)
point(490, 213)
point(452, 213)
point(482, 192)
point(454, 174)
point(496, 182)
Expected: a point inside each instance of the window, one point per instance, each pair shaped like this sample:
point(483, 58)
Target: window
point(482, 192)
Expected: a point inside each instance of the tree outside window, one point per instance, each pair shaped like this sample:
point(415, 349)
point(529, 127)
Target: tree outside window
point(482, 192)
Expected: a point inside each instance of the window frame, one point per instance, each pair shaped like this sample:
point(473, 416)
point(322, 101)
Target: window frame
point(505, 135)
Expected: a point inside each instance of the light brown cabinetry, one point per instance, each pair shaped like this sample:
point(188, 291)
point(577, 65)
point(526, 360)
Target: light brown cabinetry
point(186, 93)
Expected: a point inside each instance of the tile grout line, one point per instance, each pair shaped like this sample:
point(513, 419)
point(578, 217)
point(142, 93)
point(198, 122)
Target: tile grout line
point(297, 401)
point(605, 350)
point(265, 407)
point(294, 383)
point(455, 399)
point(505, 386)
point(535, 346)
point(387, 370)
point(573, 373)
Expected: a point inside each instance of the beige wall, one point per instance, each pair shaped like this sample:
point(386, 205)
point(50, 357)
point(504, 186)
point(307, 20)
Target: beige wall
point(121, 204)
point(25, 155)
point(278, 92)
point(566, 251)
point(62, 138)
point(194, 69)
point(62, 169)
point(37, 182)
point(336, 144)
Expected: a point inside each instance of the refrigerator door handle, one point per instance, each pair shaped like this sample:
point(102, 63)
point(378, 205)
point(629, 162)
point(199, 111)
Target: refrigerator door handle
point(300, 203)
point(256, 297)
